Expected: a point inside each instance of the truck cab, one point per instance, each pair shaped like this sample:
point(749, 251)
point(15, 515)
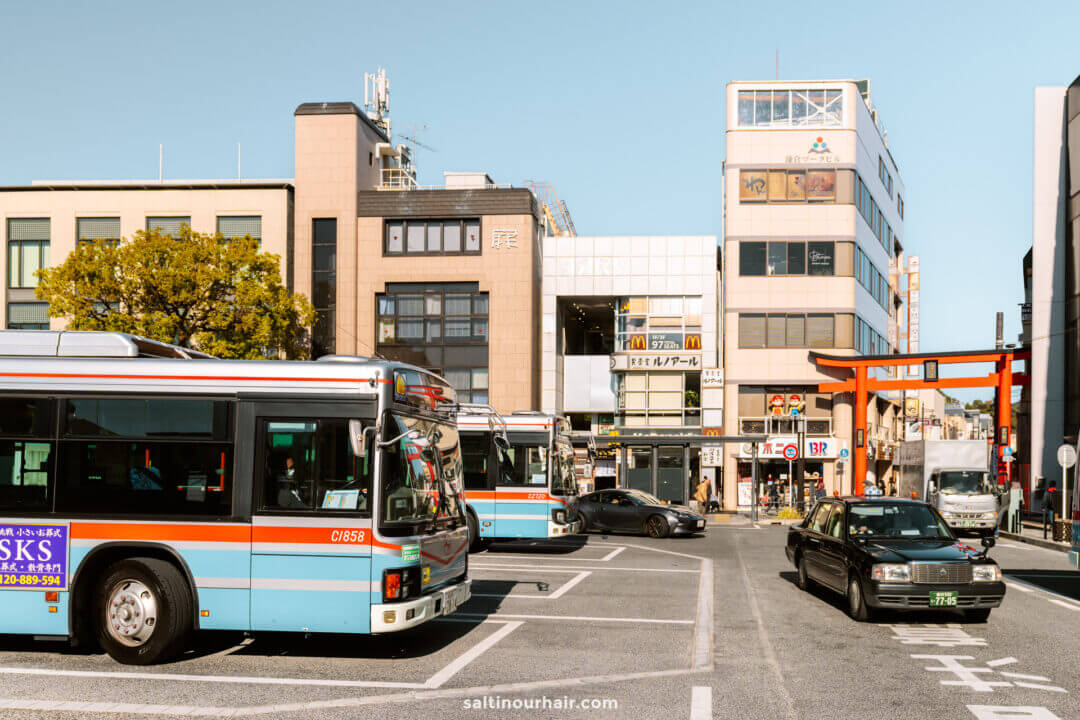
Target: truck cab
point(967, 498)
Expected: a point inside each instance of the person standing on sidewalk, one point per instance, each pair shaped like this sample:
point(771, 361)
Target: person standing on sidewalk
point(701, 495)
point(1048, 501)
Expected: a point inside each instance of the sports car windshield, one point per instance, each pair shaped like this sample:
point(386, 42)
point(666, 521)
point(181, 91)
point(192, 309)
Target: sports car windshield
point(644, 498)
point(896, 520)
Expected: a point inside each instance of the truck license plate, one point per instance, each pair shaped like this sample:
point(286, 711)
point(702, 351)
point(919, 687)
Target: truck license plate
point(966, 523)
point(943, 598)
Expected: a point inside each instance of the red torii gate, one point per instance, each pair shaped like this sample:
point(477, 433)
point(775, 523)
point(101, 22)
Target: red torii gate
point(1002, 380)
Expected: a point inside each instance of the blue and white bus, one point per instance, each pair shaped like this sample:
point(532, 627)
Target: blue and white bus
point(147, 491)
point(519, 475)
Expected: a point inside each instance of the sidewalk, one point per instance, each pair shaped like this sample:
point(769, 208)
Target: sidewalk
point(1031, 532)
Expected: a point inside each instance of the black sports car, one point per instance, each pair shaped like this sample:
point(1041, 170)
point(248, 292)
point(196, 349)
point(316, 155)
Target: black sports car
point(637, 512)
point(893, 553)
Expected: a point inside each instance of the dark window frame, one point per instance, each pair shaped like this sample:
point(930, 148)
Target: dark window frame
point(405, 252)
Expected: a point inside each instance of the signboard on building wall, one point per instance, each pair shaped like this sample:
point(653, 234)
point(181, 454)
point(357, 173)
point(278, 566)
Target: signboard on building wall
point(712, 379)
point(825, 448)
point(666, 361)
point(913, 311)
point(712, 456)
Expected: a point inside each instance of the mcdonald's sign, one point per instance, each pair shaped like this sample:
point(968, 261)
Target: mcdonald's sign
point(693, 342)
point(637, 342)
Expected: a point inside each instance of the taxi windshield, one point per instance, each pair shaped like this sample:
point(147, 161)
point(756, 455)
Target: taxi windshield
point(896, 520)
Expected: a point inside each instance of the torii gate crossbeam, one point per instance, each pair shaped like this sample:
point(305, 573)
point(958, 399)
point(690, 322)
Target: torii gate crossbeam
point(1002, 380)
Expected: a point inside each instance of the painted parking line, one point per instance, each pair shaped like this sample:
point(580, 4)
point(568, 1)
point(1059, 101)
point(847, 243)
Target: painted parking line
point(613, 553)
point(582, 618)
point(701, 703)
point(439, 679)
point(569, 568)
point(231, 679)
point(558, 593)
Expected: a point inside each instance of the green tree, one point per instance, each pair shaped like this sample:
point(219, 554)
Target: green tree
point(197, 290)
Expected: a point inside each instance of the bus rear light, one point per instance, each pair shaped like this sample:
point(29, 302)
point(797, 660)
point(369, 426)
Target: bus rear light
point(52, 608)
point(52, 596)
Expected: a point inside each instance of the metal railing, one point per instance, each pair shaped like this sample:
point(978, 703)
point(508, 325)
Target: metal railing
point(784, 425)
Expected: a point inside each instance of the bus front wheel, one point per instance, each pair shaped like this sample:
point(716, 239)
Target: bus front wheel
point(143, 611)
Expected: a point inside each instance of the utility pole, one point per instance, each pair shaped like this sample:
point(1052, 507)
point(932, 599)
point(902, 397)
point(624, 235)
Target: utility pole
point(999, 334)
point(753, 483)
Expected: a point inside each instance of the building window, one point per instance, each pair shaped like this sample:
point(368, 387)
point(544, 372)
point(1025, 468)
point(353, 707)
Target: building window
point(432, 237)
point(168, 225)
point(28, 250)
point(659, 399)
point(871, 213)
point(758, 258)
point(818, 108)
point(900, 205)
point(323, 284)
point(793, 330)
point(787, 186)
point(98, 229)
point(871, 278)
point(883, 173)
point(28, 316)
point(442, 327)
point(237, 226)
point(658, 324)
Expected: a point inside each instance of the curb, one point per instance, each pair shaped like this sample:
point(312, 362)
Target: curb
point(1048, 544)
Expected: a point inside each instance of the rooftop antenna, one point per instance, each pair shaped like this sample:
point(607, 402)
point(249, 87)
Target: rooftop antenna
point(377, 98)
point(416, 130)
point(160, 161)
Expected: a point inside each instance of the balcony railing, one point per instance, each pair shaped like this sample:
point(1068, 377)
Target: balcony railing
point(784, 425)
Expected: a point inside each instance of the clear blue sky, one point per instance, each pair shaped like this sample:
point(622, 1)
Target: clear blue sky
point(619, 104)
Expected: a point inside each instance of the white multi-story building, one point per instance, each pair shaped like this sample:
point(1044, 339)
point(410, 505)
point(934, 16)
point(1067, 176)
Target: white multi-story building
point(630, 345)
point(814, 208)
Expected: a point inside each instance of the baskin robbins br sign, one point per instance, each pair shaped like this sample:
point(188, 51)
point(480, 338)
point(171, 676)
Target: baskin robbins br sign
point(33, 556)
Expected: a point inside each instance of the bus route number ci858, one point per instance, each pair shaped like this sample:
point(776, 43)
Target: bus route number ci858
point(348, 536)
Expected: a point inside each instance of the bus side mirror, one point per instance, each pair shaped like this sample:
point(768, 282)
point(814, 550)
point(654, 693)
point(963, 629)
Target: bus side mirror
point(358, 438)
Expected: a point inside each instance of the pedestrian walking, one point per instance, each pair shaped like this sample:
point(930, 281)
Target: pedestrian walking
point(1049, 498)
point(701, 495)
point(819, 489)
point(714, 500)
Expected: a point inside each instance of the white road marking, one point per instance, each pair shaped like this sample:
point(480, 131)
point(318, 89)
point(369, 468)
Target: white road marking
point(235, 679)
point(1064, 604)
point(1002, 661)
point(1036, 686)
point(1022, 676)
point(613, 553)
point(703, 629)
point(566, 568)
point(578, 617)
point(439, 679)
point(1011, 712)
point(701, 703)
point(559, 591)
point(763, 638)
point(367, 700)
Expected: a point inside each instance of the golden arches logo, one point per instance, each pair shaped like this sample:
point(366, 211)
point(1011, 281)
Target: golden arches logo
point(693, 342)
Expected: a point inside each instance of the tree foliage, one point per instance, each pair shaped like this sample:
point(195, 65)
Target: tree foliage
point(197, 290)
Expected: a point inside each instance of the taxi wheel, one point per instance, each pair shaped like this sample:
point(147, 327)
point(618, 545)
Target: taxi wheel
point(802, 579)
point(143, 611)
point(978, 615)
point(656, 526)
point(857, 607)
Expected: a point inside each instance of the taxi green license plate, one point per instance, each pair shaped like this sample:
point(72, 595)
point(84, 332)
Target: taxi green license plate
point(943, 598)
point(966, 523)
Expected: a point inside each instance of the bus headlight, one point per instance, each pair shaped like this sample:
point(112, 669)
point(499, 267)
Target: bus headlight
point(884, 572)
point(985, 573)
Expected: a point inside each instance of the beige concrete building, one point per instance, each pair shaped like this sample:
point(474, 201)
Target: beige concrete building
point(446, 277)
point(44, 221)
point(813, 219)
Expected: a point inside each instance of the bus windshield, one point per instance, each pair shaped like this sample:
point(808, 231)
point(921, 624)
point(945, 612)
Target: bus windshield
point(964, 482)
point(563, 480)
point(421, 477)
point(525, 465)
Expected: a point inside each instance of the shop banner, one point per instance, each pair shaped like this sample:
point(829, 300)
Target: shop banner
point(33, 556)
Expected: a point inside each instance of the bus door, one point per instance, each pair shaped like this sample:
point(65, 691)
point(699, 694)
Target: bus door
point(521, 498)
point(311, 534)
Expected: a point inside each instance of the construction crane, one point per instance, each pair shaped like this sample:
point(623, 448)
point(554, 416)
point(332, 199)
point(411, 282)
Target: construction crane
point(555, 211)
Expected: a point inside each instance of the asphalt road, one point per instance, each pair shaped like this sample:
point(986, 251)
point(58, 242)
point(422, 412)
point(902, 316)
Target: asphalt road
point(706, 627)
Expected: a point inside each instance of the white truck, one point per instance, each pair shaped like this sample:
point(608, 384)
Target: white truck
point(953, 476)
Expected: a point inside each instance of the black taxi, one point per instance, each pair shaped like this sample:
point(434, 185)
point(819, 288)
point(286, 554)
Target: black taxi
point(885, 552)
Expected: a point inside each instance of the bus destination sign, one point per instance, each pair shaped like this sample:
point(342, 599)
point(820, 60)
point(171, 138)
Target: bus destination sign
point(33, 557)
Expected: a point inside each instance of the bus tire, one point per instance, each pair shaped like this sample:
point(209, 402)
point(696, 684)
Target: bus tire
point(142, 611)
point(475, 541)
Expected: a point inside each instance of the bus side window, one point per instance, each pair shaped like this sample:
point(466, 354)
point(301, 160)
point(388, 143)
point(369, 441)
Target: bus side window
point(309, 465)
point(289, 464)
point(474, 456)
